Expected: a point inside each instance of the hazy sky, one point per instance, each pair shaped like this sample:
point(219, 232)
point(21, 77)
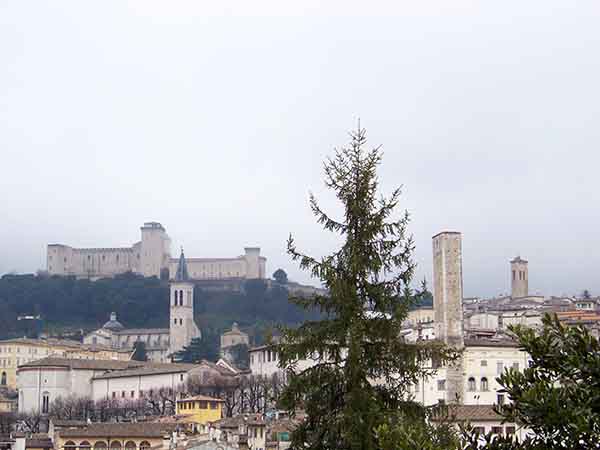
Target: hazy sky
point(214, 119)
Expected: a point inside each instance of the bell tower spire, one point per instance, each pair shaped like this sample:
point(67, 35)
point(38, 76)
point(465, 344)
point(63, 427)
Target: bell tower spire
point(182, 327)
point(182, 271)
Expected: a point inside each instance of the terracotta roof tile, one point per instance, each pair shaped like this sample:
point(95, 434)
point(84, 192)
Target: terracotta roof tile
point(462, 413)
point(148, 369)
point(140, 429)
point(202, 398)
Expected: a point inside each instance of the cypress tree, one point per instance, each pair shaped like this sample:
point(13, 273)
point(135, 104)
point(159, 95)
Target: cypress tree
point(363, 369)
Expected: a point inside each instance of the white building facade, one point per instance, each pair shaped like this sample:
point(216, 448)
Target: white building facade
point(41, 382)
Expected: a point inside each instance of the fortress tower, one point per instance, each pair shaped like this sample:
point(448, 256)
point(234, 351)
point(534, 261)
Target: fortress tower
point(155, 251)
point(182, 328)
point(447, 304)
point(519, 278)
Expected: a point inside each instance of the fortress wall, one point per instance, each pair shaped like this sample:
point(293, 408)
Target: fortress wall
point(94, 262)
point(148, 257)
point(102, 261)
point(212, 268)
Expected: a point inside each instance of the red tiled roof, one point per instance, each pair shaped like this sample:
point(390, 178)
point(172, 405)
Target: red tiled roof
point(463, 413)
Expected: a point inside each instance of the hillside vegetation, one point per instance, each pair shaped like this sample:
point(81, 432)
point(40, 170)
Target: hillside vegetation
point(68, 305)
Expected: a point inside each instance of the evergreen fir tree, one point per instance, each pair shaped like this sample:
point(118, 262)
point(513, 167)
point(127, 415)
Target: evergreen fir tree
point(363, 372)
point(139, 351)
point(206, 347)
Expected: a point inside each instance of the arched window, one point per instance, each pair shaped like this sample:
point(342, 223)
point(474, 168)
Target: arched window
point(130, 445)
point(3, 380)
point(70, 445)
point(472, 386)
point(45, 402)
point(115, 445)
point(144, 445)
point(484, 384)
point(85, 445)
point(100, 445)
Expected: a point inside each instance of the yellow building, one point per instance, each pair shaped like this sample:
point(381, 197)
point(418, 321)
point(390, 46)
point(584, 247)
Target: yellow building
point(201, 409)
point(7, 405)
point(15, 352)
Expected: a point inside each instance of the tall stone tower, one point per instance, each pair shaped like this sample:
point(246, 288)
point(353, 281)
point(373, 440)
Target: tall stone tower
point(155, 249)
point(519, 278)
point(447, 304)
point(182, 328)
point(447, 287)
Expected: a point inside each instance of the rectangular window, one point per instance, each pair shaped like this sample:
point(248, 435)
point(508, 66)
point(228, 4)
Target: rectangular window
point(132, 394)
point(515, 365)
point(500, 399)
point(213, 405)
point(496, 430)
point(203, 405)
point(441, 385)
point(499, 367)
point(510, 430)
point(114, 394)
point(479, 430)
point(483, 363)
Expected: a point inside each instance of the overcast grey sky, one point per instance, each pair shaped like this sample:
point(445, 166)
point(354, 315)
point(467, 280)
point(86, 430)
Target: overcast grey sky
point(214, 119)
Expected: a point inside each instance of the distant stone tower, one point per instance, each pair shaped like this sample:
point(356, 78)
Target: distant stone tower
point(182, 328)
point(155, 249)
point(447, 304)
point(447, 287)
point(519, 278)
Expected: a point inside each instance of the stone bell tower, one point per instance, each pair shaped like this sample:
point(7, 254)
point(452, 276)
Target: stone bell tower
point(519, 278)
point(182, 327)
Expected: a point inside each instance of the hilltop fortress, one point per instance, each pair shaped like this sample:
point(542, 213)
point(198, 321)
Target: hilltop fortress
point(151, 256)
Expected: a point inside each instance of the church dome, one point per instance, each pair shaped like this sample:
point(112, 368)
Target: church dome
point(113, 324)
